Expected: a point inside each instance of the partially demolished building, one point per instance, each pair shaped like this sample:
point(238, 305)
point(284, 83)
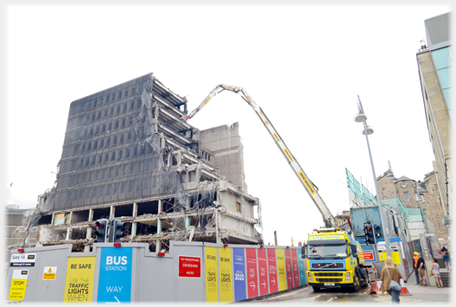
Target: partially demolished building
point(128, 155)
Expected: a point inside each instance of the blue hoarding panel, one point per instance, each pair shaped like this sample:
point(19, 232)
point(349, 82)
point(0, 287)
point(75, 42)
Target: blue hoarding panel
point(114, 282)
point(302, 270)
point(239, 274)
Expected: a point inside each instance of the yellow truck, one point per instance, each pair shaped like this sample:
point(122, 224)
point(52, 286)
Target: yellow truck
point(334, 259)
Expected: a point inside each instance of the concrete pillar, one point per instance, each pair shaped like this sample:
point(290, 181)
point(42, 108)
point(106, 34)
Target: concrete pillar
point(159, 227)
point(89, 231)
point(134, 225)
point(112, 212)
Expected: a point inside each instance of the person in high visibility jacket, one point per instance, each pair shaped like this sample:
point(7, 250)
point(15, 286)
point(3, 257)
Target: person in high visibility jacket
point(415, 267)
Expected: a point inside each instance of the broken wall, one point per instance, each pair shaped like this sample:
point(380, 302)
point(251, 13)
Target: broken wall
point(225, 143)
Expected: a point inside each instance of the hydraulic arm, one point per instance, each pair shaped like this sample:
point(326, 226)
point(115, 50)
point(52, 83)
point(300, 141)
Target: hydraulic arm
point(328, 218)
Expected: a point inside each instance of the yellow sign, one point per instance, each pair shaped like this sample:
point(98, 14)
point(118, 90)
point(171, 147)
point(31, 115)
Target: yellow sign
point(287, 153)
point(307, 183)
point(226, 285)
point(281, 270)
point(394, 255)
point(18, 285)
point(79, 280)
point(49, 272)
point(211, 275)
point(276, 136)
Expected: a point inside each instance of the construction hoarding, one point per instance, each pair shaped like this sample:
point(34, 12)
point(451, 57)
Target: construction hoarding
point(190, 272)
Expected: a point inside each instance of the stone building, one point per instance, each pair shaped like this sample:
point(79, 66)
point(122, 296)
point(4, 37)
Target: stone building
point(128, 155)
point(421, 195)
point(434, 67)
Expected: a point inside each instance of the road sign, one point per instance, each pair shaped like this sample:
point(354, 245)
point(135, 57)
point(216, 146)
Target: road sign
point(114, 284)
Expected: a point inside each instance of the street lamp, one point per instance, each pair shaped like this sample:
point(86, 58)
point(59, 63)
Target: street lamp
point(361, 118)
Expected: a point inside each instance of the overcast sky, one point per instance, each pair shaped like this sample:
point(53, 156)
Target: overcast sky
point(303, 64)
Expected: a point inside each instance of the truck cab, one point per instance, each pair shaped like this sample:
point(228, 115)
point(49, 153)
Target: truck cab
point(334, 260)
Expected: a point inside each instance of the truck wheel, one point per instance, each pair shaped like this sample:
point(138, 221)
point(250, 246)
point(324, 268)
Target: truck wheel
point(316, 289)
point(356, 285)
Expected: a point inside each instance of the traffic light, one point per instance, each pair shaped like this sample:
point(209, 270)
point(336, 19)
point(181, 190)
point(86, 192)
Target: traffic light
point(116, 231)
point(369, 233)
point(100, 232)
point(378, 232)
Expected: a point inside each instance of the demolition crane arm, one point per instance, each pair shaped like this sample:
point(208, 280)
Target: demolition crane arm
point(311, 190)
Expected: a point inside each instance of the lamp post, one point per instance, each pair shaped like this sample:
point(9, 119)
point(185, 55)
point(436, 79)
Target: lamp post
point(361, 118)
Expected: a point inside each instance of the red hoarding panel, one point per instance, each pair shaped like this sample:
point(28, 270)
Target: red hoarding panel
point(288, 268)
point(294, 258)
point(272, 271)
point(262, 270)
point(252, 275)
point(189, 266)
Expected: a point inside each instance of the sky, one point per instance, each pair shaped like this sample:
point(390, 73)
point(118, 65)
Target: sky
point(304, 64)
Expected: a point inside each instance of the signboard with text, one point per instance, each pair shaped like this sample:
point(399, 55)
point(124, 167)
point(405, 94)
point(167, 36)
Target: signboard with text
point(272, 271)
point(189, 266)
point(114, 282)
point(239, 274)
point(79, 280)
point(262, 271)
point(252, 275)
point(22, 260)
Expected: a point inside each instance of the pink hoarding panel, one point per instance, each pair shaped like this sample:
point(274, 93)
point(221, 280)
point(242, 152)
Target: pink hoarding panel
point(288, 268)
point(262, 270)
point(294, 258)
point(252, 275)
point(272, 271)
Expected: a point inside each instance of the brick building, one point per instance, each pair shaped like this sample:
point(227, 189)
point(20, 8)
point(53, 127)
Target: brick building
point(422, 195)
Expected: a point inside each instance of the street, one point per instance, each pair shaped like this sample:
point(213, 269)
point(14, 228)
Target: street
point(417, 295)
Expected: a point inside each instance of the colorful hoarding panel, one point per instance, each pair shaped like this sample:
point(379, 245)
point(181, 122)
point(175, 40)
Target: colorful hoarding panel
point(294, 261)
point(281, 269)
point(114, 279)
point(79, 280)
point(262, 272)
point(252, 275)
point(288, 268)
point(226, 284)
point(302, 270)
point(239, 274)
point(272, 271)
point(211, 274)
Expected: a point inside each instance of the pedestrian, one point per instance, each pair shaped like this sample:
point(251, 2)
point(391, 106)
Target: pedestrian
point(444, 248)
point(390, 272)
point(446, 260)
point(421, 270)
point(415, 268)
point(435, 270)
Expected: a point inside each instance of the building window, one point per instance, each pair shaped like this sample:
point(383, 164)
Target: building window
point(238, 207)
point(406, 196)
point(404, 184)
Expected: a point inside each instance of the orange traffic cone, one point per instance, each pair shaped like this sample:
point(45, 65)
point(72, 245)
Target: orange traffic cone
point(373, 289)
point(404, 290)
